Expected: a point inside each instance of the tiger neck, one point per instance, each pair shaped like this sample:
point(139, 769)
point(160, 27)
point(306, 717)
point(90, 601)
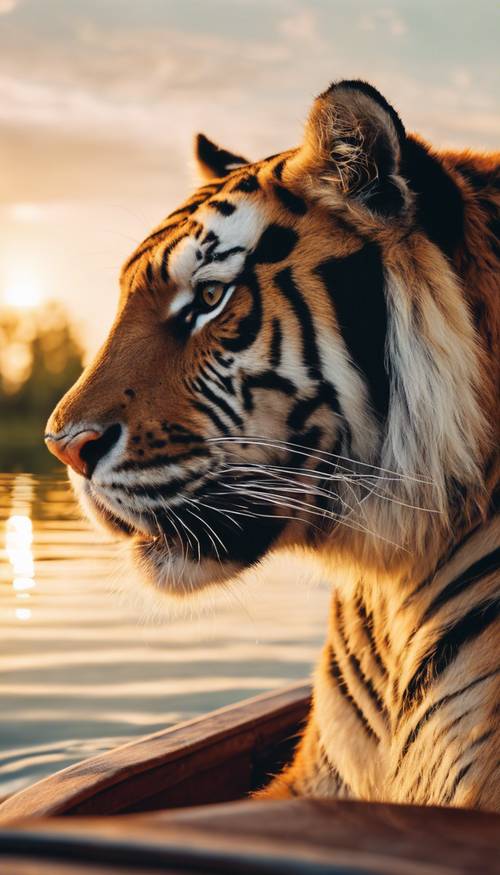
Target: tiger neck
point(385, 622)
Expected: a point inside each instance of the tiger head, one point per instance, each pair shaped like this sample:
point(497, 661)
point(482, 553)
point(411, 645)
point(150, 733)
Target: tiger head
point(292, 362)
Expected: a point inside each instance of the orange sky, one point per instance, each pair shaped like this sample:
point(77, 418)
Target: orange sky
point(99, 100)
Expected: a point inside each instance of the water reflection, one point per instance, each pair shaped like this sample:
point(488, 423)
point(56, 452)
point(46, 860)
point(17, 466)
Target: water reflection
point(85, 663)
point(23, 613)
point(19, 542)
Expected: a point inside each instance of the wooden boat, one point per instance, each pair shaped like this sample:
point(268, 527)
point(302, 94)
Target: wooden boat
point(216, 758)
point(63, 824)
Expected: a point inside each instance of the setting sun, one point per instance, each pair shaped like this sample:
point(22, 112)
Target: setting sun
point(22, 291)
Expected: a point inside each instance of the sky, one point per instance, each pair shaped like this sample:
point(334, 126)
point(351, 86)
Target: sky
point(100, 100)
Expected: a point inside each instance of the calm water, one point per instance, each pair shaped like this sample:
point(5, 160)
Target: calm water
point(89, 659)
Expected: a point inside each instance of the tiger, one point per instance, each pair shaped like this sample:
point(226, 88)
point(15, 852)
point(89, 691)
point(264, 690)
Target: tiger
point(305, 359)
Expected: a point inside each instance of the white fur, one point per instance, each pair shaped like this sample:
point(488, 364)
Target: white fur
point(179, 301)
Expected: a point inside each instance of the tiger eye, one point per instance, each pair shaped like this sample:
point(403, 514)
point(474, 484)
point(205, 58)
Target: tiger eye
point(212, 294)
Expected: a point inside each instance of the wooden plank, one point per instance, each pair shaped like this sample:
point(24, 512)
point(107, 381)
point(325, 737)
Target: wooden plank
point(124, 778)
point(35, 866)
point(284, 838)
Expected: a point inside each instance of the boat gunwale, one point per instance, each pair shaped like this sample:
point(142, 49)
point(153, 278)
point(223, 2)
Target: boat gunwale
point(67, 791)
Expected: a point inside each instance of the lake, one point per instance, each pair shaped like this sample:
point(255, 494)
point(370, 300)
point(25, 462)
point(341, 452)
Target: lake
point(90, 658)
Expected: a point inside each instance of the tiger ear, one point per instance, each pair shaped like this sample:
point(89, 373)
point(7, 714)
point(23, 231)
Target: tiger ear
point(213, 161)
point(353, 147)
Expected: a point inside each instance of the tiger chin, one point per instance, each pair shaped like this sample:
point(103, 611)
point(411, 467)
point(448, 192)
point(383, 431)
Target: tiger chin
point(305, 355)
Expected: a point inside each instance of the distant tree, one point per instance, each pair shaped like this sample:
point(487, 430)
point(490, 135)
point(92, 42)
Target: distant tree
point(40, 358)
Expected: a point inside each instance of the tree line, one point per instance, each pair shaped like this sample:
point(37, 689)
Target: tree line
point(40, 358)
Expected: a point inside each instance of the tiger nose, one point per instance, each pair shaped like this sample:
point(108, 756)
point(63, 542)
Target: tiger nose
point(82, 451)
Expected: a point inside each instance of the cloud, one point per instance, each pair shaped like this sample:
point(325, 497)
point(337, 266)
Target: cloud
point(301, 25)
point(385, 19)
point(98, 110)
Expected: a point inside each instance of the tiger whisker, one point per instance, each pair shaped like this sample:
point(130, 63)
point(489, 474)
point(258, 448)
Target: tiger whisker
point(189, 531)
point(169, 511)
point(406, 504)
point(314, 490)
point(319, 475)
point(209, 529)
point(208, 533)
point(163, 535)
point(277, 500)
point(357, 479)
point(277, 444)
point(266, 516)
point(223, 513)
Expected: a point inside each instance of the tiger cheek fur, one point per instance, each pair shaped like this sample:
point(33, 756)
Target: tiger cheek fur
point(306, 355)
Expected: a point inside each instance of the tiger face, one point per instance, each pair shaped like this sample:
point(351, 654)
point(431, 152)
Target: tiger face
point(252, 390)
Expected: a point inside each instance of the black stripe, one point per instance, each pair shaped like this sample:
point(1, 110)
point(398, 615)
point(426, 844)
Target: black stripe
point(278, 168)
point(221, 403)
point(249, 326)
point(210, 237)
point(275, 244)
point(226, 253)
point(163, 490)
point(367, 626)
point(447, 647)
point(303, 409)
point(433, 709)
point(189, 438)
point(276, 342)
point(364, 681)
point(461, 774)
point(177, 426)
point(336, 673)
point(135, 257)
point(454, 549)
point(355, 285)
point(169, 248)
point(225, 208)
point(145, 247)
point(248, 183)
point(290, 201)
point(439, 201)
point(226, 362)
point(324, 760)
point(431, 770)
point(326, 500)
point(217, 421)
point(475, 572)
point(196, 452)
point(310, 439)
point(266, 380)
point(225, 381)
point(310, 353)
point(189, 207)
point(478, 179)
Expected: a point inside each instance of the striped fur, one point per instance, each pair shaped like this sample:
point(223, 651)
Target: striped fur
point(340, 397)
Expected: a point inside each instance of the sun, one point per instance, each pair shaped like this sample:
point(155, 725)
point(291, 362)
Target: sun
point(22, 291)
